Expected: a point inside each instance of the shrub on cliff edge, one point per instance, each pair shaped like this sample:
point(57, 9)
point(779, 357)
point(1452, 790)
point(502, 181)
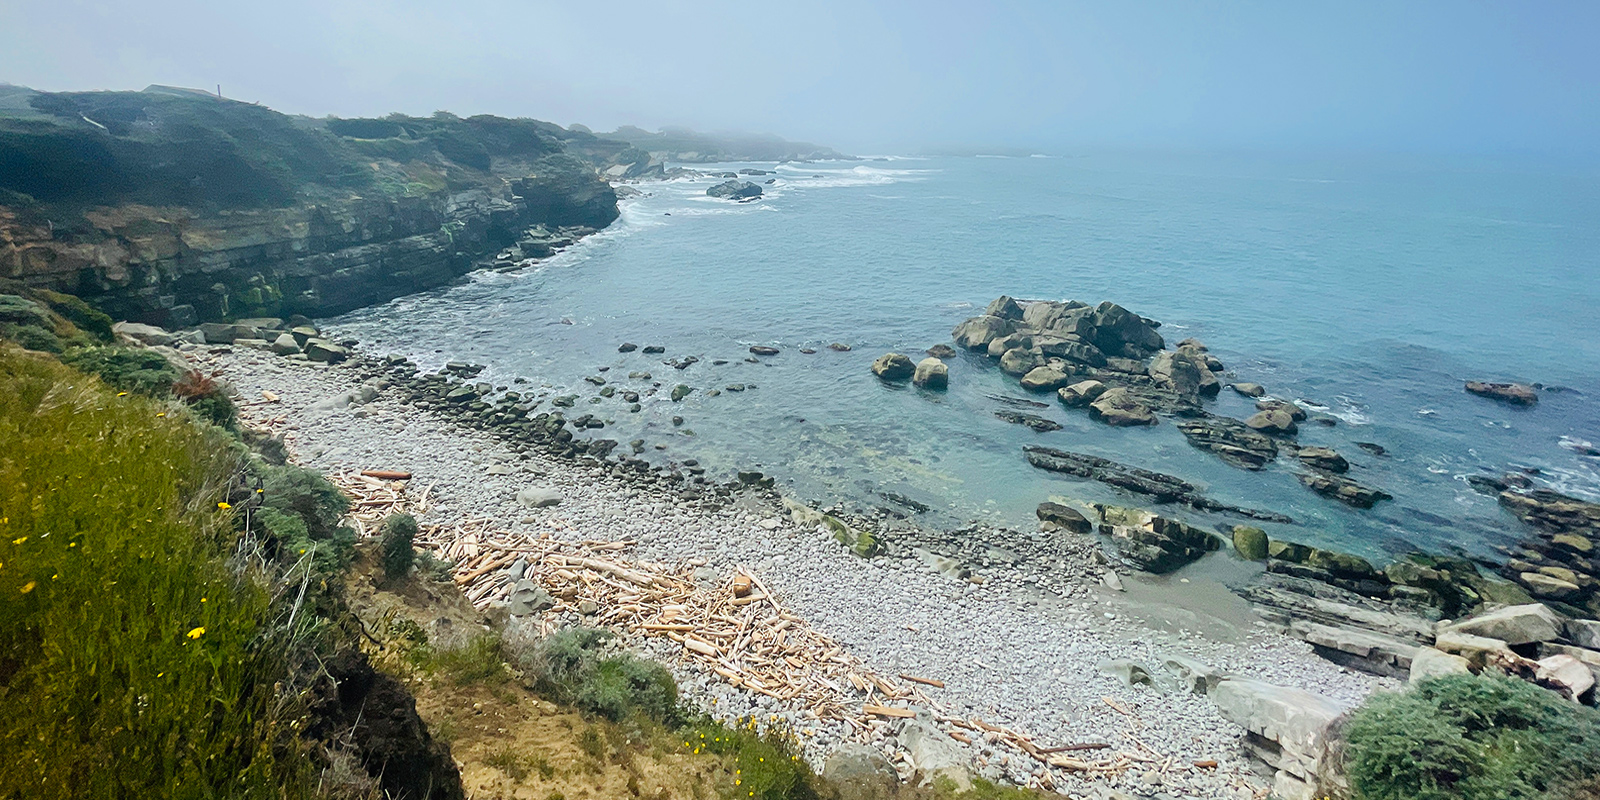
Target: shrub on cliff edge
point(399, 530)
point(1466, 737)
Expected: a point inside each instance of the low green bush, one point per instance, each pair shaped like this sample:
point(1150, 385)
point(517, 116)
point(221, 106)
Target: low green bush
point(132, 661)
point(130, 369)
point(1466, 737)
point(568, 665)
point(399, 531)
point(307, 495)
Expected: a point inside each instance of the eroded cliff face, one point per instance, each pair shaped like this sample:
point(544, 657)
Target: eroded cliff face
point(173, 267)
point(443, 197)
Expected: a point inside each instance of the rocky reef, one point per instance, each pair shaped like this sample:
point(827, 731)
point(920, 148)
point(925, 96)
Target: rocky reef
point(172, 207)
point(1114, 364)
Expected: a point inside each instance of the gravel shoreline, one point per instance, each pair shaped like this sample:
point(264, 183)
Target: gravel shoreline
point(1023, 649)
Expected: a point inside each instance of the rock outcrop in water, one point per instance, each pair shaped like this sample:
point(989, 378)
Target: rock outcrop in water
point(1516, 394)
point(1113, 363)
point(735, 190)
point(144, 204)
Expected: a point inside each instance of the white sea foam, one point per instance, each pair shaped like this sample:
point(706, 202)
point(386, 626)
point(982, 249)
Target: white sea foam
point(1345, 409)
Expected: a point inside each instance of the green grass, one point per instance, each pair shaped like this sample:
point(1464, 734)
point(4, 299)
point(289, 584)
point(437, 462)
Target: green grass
point(1465, 737)
point(131, 658)
point(765, 765)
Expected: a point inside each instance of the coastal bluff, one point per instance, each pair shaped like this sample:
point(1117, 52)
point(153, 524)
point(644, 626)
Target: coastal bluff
point(173, 207)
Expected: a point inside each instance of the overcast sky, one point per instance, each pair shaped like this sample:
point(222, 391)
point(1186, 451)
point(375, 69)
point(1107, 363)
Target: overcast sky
point(1399, 75)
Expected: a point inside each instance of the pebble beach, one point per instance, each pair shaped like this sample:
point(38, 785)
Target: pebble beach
point(1029, 636)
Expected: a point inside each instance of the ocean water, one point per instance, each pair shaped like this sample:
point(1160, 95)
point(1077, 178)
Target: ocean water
point(1367, 288)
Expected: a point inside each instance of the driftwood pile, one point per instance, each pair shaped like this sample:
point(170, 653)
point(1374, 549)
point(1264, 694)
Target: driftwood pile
point(735, 629)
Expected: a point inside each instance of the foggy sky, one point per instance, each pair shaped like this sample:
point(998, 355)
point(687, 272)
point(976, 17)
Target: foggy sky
point(875, 76)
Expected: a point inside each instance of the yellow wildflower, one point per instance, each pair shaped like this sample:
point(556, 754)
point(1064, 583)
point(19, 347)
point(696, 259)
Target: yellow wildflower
point(224, 506)
point(28, 587)
point(122, 394)
point(196, 633)
point(19, 540)
point(162, 414)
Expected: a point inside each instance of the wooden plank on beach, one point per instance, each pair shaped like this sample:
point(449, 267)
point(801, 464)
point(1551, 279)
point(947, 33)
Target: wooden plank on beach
point(888, 711)
point(387, 474)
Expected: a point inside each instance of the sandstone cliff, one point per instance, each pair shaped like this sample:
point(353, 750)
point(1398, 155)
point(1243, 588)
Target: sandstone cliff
point(171, 207)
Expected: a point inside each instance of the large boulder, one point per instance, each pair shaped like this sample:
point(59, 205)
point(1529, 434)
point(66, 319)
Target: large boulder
point(1045, 379)
point(1121, 332)
point(1071, 349)
point(734, 190)
point(1584, 633)
point(285, 344)
point(1276, 421)
point(325, 351)
point(894, 367)
point(978, 332)
point(527, 598)
point(1553, 587)
point(1183, 374)
point(936, 755)
point(1081, 393)
point(1250, 542)
point(1064, 517)
point(1004, 307)
point(1516, 394)
point(1118, 407)
point(999, 346)
point(860, 772)
point(1153, 543)
point(1431, 663)
point(1046, 315)
point(1514, 625)
point(1565, 674)
point(144, 334)
point(931, 373)
point(1018, 361)
point(1299, 723)
point(538, 497)
point(1323, 458)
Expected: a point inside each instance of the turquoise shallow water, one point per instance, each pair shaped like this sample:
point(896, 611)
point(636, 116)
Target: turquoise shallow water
point(1367, 287)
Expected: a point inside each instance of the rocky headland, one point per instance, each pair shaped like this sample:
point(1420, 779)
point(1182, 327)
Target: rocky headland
point(145, 204)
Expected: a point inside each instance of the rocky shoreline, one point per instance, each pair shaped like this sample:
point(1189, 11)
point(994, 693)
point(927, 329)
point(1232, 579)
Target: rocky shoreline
point(1313, 627)
point(1049, 646)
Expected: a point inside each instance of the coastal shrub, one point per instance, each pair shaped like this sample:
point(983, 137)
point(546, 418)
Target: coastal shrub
point(86, 318)
point(130, 369)
point(569, 665)
point(205, 397)
point(31, 337)
point(399, 530)
point(306, 494)
point(131, 658)
point(1466, 737)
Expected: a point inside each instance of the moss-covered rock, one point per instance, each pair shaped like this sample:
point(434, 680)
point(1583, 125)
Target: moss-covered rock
point(1250, 542)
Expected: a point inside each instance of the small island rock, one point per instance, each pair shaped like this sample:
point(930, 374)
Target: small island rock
point(735, 190)
point(931, 374)
point(893, 367)
point(1517, 394)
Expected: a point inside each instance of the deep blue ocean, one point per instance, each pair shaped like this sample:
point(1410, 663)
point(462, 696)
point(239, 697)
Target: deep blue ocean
point(1368, 288)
